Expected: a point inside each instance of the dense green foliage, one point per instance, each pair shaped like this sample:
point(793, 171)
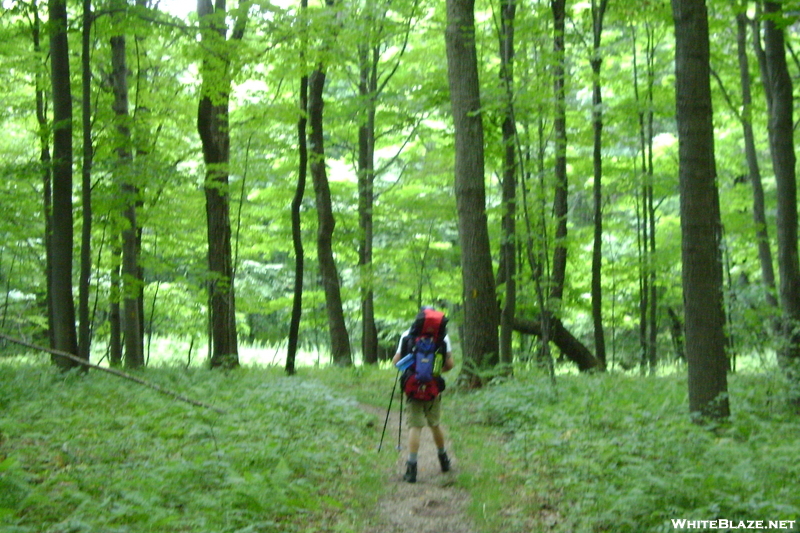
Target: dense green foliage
point(615, 453)
point(592, 454)
point(93, 453)
point(416, 253)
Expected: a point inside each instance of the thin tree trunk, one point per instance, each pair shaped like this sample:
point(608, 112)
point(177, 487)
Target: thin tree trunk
point(781, 140)
point(64, 334)
point(46, 168)
point(560, 200)
point(84, 279)
point(759, 210)
point(114, 314)
point(508, 246)
point(366, 200)
point(340, 340)
point(297, 229)
point(481, 318)
point(598, 14)
point(701, 226)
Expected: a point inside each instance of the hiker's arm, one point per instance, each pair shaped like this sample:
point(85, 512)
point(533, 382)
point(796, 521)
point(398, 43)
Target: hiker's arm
point(448, 362)
point(399, 353)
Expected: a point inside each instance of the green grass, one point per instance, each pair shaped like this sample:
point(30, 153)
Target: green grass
point(91, 452)
point(95, 453)
point(618, 453)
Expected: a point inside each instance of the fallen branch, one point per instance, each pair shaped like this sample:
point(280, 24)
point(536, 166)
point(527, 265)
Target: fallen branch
point(114, 372)
point(569, 345)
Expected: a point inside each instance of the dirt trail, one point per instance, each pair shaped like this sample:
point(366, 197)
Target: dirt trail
point(431, 505)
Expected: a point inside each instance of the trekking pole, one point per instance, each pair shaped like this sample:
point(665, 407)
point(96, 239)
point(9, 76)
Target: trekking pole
point(391, 399)
point(400, 424)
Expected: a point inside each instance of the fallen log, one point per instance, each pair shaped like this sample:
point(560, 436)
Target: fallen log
point(115, 372)
point(572, 348)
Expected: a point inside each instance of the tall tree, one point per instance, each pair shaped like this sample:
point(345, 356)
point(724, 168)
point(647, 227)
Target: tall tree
point(781, 142)
point(701, 228)
point(296, 209)
point(132, 321)
point(560, 200)
point(507, 274)
point(84, 330)
point(213, 127)
point(337, 329)
point(481, 318)
point(645, 214)
point(377, 40)
point(46, 162)
point(598, 16)
point(64, 335)
point(750, 150)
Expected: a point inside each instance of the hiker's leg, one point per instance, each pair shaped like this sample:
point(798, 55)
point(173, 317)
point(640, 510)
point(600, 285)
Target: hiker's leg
point(413, 439)
point(438, 437)
point(416, 421)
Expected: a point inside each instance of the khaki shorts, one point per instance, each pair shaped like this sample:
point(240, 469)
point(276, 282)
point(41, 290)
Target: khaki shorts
point(422, 413)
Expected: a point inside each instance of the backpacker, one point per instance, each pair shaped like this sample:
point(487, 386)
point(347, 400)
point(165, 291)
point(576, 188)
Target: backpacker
point(421, 380)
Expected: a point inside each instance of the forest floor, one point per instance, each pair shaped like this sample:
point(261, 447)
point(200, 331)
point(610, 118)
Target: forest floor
point(434, 504)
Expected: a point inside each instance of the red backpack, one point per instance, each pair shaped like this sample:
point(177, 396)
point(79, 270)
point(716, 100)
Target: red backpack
point(425, 341)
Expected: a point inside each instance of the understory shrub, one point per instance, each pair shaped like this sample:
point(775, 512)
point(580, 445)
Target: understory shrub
point(91, 452)
point(619, 453)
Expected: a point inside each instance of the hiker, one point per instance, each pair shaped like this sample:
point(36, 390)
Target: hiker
point(428, 333)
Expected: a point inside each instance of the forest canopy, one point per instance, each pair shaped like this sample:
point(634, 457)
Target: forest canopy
point(281, 176)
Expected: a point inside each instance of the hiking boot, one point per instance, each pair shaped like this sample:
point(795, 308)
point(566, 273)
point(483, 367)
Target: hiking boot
point(444, 461)
point(411, 472)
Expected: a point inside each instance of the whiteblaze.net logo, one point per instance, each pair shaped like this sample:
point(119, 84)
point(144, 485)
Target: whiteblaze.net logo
point(683, 523)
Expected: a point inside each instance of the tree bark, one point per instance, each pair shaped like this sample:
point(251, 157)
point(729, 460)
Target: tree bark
point(598, 14)
point(213, 128)
point(64, 334)
point(781, 141)
point(46, 167)
point(84, 279)
point(368, 87)
point(340, 340)
point(701, 227)
point(560, 200)
point(572, 348)
point(481, 318)
point(131, 282)
point(297, 228)
point(759, 210)
point(508, 245)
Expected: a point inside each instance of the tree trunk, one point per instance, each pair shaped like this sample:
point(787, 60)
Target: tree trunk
point(701, 227)
point(64, 335)
point(84, 279)
point(297, 228)
point(481, 318)
point(114, 314)
point(340, 340)
point(508, 245)
point(213, 128)
point(759, 211)
point(781, 141)
point(572, 348)
point(366, 201)
point(598, 14)
point(46, 164)
point(560, 203)
point(132, 316)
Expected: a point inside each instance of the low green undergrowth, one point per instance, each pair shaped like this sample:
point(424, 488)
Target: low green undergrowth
point(619, 454)
point(91, 452)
